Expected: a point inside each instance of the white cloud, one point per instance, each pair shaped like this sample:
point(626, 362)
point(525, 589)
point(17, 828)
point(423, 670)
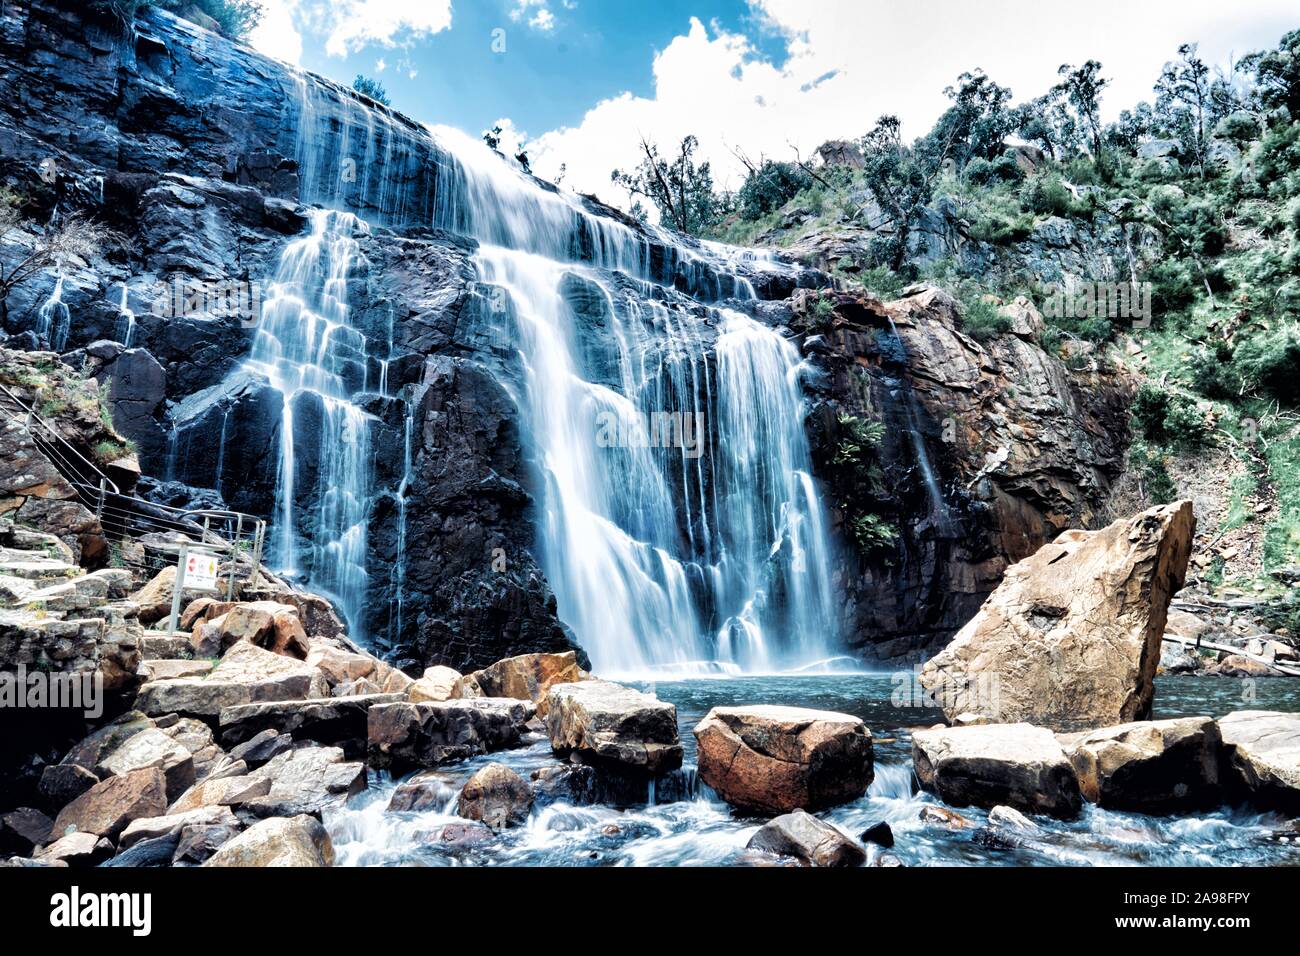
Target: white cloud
point(380, 65)
point(850, 61)
point(276, 35)
point(543, 20)
point(348, 25)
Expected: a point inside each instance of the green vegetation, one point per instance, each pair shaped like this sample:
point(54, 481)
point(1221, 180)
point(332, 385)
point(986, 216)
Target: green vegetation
point(858, 485)
point(232, 18)
point(1193, 196)
point(371, 88)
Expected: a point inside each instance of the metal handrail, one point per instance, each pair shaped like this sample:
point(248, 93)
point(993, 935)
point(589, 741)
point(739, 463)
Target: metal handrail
point(129, 516)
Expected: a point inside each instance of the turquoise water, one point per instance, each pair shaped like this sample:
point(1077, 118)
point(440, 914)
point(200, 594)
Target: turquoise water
point(683, 824)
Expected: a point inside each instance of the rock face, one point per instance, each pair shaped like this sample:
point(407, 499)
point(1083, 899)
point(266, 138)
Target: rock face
point(292, 841)
point(804, 837)
point(777, 759)
point(606, 723)
point(1157, 766)
point(1071, 638)
point(407, 736)
point(1021, 444)
point(497, 796)
point(1262, 757)
point(1021, 766)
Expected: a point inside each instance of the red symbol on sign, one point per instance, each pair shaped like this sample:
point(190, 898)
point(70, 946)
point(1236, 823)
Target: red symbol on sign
point(191, 565)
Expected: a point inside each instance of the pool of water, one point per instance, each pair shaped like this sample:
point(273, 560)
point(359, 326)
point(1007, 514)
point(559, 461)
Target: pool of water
point(687, 825)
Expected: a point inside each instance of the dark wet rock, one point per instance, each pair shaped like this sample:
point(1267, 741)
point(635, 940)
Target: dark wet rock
point(261, 747)
point(197, 843)
point(24, 829)
point(405, 736)
point(577, 784)
point(804, 837)
point(880, 834)
point(460, 836)
point(427, 790)
point(154, 852)
point(334, 721)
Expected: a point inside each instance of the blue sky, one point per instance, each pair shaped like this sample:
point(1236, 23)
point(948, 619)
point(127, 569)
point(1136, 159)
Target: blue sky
point(582, 80)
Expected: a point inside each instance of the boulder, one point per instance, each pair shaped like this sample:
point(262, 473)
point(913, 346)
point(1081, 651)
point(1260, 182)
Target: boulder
point(427, 790)
point(150, 828)
point(228, 791)
point(24, 829)
point(525, 677)
point(336, 721)
point(106, 808)
point(1019, 765)
point(307, 779)
point(802, 836)
point(340, 666)
point(438, 683)
point(247, 674)
point(272, 626)
point(198, 842)
point(497, 796)
point(459, 836)
point(1262, 757)
point(606, 723)
point(1071, 637)
point(152, 747)
point(77, 849)
point(572, 783)
point(775, 759)
point(1157, 766)
point(261, 747)
point(154, 600)
point(407, 736)
point(292, 841)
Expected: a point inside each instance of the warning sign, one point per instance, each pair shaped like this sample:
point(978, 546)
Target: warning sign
point(200, 571)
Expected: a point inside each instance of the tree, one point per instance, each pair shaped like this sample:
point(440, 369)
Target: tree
point(1183, 102)
point(681, 189)
point(1278, 74)
point(901, 181)
point(371, 88)
point(1080, 90)
point(77, 237)
point(232, 18)
point(978, 122)
point(770, 186)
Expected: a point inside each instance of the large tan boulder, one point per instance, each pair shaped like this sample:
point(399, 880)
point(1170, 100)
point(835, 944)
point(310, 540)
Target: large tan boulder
point(246, 675)
point(267, 624)
point(1071, 638)
point(155, 598)
point(1016, 765)
point(107, 807)
point(280, 841)
point(1262, 757)
point(526, 677)
point(1157, 766)
point(606, 723)
point(437, 683)
point(776, 759)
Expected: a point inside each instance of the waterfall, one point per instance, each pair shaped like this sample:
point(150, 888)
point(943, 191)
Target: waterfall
point(125, 319)
point(677, 521)
point(308, 351)
point(53, 320)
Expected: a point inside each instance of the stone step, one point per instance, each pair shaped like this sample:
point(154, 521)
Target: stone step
point(159, 645)
point(38, 568)
point(170, 668)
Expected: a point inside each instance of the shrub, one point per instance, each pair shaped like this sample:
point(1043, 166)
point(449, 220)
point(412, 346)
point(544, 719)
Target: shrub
point(1047, 195)
point(1213, 373)
point(1153, 475)
point(982, 320)
point(873, 533)
point(1271, 361)
point(770, 187)
point(1168, 418)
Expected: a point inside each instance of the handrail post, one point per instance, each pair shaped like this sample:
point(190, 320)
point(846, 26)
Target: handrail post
point(178, 586)
point(234, 557)
point(99, 507)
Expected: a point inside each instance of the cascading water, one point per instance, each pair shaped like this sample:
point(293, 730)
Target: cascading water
point(53, 320)
point(310, 354)
point(709, 547)
point(125, 319)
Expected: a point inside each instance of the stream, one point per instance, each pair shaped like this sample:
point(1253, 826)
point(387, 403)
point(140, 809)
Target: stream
point(684, 824)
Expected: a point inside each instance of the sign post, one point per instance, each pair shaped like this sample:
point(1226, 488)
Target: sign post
point(198, 570)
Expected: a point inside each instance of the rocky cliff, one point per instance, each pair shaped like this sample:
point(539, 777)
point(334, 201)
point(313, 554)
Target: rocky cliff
point(208, 158)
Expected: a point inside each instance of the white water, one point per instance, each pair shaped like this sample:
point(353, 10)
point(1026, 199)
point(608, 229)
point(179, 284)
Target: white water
point(306, 347)
point(661, 556)
point(125, 319)
point(53, 320)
